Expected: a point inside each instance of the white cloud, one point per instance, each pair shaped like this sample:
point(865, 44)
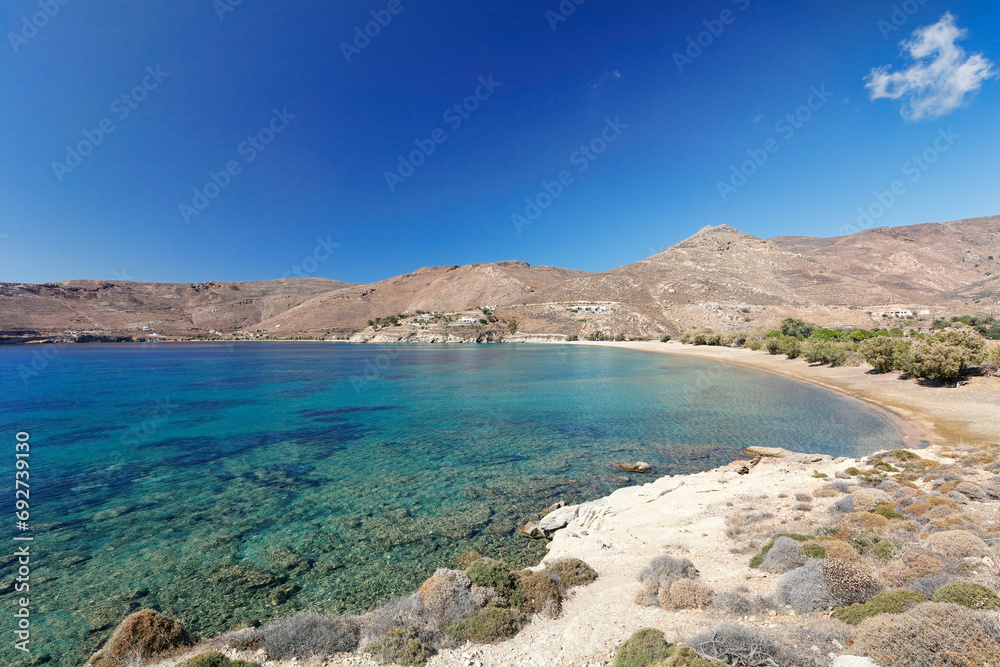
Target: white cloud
point(613, 74)
point(941, 76)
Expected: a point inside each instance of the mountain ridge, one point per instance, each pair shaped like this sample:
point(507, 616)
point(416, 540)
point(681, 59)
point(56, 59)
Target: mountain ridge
point(719, 277)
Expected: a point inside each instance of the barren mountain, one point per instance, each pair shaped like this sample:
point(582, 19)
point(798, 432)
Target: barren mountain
point(720, 264)
point(175, 309)
point(719, 277)
point(443, 288)
point(920, 262)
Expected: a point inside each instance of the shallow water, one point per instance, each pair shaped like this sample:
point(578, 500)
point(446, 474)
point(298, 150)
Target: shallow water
point(230, 484)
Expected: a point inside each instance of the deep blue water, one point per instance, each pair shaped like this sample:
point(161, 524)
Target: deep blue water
point(227, 484)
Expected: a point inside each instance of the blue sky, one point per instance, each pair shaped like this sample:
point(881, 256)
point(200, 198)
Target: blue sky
point(618, 142)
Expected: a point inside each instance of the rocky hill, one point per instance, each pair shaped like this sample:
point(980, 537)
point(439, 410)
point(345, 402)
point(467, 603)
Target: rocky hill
point(719, 277)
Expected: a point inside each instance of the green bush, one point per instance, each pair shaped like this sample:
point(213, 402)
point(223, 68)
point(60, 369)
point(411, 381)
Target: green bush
point(827, 334)
point(684, 656)
point(402, 646)
point(573, 572)
point(490, 625)
point(889, 602)
point(788, 346)
point(664, 338)
point(644, 648)
point(498, 576)
point(886, 510)
point(968, 594)
point(814, 551)
point(215, 659)
point(572, 337)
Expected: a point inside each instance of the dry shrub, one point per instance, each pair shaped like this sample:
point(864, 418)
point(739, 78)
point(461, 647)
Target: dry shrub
point(737, 645)
point(859, 522)
point(143, 634)
point(922, 507)
point(668, 569)
point(573, 572)
point(741, 602)
point(805, 589)
point(784, 555)
point(647, 594)
point(840, 550)
point(403, 646)
point(850, 584)
point(543, 593)
point(844, 505)
point(659, 575)
point(308, 634)
point(866, 500)
point(958, 544)
point(685, 594)
point(408, 611)
point(970, 490)
point(913, 565)
point(930, 635)
point(824, 492)
point(448, 596)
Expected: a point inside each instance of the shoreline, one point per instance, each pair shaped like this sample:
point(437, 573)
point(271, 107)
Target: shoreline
point(936, 415)
point(618, 533)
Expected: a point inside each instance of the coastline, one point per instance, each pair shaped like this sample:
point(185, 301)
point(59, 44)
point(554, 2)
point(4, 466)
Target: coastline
point(936, 414)
point(686, 516)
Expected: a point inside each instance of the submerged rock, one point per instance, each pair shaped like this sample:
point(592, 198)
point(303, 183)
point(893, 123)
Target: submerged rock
point(532, 530)
point(639, 466)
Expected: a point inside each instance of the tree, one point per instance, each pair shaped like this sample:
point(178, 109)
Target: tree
point(946, 355)
point(884, 353)
point(512, 325)
point(796, 328)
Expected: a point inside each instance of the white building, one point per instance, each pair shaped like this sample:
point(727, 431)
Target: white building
point(590, 309)
point(898, 313)
point(468, 320)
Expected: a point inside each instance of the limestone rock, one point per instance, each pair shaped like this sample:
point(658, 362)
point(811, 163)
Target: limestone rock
point(853, 661)
point(557, 519)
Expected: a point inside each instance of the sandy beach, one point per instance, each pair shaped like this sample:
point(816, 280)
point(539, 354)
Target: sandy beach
point(692, 516)
point(938, 414)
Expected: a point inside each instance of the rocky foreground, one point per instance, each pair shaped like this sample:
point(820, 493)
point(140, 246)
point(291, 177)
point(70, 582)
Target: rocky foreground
point(901, 520)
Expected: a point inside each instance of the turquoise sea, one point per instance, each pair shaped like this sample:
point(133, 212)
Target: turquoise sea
point(230, 484)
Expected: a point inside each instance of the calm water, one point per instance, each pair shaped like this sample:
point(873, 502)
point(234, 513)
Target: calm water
point(230, 484)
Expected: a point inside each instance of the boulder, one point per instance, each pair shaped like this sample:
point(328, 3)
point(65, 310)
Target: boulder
point(532, 530)
point(639, 466)
point(560, 518)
